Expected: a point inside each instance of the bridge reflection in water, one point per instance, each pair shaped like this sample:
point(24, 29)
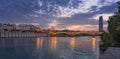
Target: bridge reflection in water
point(39, 42)
point(95, 46)
point(53, 42)
point(72, 43)
point(93, 43)
point(86, 47)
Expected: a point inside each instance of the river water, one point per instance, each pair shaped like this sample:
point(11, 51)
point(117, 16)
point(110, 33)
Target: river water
point(86, 47)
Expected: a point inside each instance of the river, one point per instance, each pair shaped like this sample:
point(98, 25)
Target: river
point(85, 47)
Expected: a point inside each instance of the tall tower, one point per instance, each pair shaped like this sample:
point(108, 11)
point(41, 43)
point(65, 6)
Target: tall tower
point(100, 24)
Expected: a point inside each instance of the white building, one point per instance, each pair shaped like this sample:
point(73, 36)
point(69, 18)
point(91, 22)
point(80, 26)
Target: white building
point(21, 27)
point(26, 27)
point(7, 27)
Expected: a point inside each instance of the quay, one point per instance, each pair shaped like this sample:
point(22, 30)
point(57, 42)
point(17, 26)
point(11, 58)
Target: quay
point(22, 34)
point(111, 53)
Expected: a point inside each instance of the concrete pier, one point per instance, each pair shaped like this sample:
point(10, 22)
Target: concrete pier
point(111, 53)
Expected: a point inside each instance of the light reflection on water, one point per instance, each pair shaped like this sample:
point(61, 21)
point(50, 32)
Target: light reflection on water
point(39, 42)
point(50, 48)
point(93, 44)
point(72, 43)
point(53, 42)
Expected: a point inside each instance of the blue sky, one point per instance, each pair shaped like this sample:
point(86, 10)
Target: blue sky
point(73, 14)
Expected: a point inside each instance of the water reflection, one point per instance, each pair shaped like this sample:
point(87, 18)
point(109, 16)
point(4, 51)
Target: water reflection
point(50, 48)
point(93, 43)
point(72, 43)
point(2, 42)
point(39, 42)
point(53, 42)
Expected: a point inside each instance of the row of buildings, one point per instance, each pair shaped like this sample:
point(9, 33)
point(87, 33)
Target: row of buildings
point(20, 27)
point(29, 27)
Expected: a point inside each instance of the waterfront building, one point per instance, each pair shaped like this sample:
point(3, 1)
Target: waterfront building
point(27, 27)
point(100, 24)
point(8, 27)
point(20, 27)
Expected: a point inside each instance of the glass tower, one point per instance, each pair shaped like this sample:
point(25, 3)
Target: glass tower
point(100, 24)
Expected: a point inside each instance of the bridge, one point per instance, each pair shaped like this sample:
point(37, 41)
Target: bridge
point(52, 32)
point(74, 33)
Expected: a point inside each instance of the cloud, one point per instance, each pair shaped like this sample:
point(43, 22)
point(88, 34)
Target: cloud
point(105, 16)
point(36, 24)
point(58, 13)
point(80, 27)
point(72, 7)
point(53, 23)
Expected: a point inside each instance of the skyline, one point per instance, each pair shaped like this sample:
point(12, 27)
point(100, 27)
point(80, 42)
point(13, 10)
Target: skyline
point(75, 15)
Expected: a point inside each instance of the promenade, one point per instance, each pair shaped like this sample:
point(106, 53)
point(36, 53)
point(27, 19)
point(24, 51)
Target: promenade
point(111, 53)
point(22, 34)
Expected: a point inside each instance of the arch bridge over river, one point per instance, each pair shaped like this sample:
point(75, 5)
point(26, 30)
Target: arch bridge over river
point(75, 33)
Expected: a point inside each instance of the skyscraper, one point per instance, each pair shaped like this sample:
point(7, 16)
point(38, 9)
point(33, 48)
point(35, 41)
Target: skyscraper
point(100, 24)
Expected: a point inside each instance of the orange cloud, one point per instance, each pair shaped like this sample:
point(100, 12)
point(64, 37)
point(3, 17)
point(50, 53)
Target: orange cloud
point(81, 27)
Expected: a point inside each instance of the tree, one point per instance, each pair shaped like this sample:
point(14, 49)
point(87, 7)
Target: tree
point(114, 26)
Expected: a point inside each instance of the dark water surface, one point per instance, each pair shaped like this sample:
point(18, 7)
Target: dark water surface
point(50, 48)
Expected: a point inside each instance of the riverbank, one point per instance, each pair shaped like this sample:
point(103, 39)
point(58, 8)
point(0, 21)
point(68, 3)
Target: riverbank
point(22, 34)
point(109, 48)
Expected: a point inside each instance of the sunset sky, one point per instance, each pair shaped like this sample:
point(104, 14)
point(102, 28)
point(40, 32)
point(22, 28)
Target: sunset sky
point(71, 14)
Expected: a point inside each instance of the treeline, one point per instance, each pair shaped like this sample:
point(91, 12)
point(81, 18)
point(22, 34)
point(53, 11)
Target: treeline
point(112, 38)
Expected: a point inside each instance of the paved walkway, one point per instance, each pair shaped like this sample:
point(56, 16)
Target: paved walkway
point(111, 53)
